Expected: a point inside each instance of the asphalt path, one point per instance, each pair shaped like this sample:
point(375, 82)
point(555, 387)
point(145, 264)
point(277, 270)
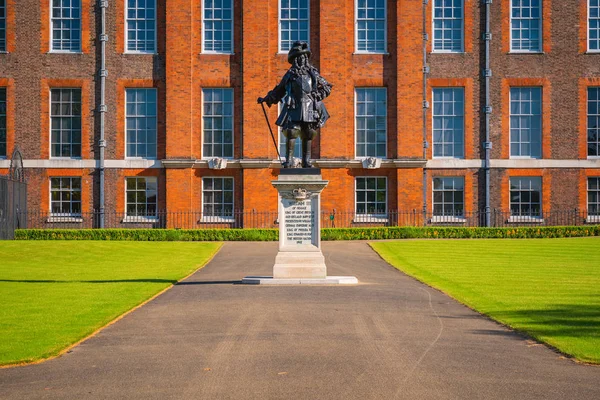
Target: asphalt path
point(390, 337)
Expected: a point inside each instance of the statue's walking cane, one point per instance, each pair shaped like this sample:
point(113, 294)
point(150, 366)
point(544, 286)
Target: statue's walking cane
point(271, 130)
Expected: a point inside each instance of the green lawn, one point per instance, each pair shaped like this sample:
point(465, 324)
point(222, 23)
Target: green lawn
point(54, 293)
point(548, 288)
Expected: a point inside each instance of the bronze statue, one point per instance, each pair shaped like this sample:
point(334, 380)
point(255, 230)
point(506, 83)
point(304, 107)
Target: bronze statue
point(302, 90)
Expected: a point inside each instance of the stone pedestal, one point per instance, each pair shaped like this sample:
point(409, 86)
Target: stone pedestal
point(299, 224)
point(300, 260)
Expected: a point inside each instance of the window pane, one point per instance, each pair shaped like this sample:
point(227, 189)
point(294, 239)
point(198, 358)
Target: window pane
point(65, 122)
point(448, 122)
point(66, 26)
point(217, 123)
point(371, 26)
point(371, 122)
point(141, 123)
point(371, 195)
point(218, 26)
point(217, 197)
point(448, 26)
point(526, 122)
point(293, 23)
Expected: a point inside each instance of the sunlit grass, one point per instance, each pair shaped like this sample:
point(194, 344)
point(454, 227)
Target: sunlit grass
point(548, 288)
point(54, 293)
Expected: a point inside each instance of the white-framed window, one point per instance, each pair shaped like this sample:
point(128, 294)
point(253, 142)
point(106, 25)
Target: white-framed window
point(593, 122)
point(294, 23)
point(448, 196)
point(371, 196)
point(140, 120)
point(526, 26)
point(141, 197)
point(371, 26)
point(65, 123)
point(2, 122)
point(217, 197)
point(2, 25)
point(593, 196)
point(141, 26)
point(283, 142)
point(593, 26)
point(371, 122)
point(217, 26)
point(448, 122)
point(526, 122)
point(526, 197)
point(448, 22)
point(66, 25)
point(65, 196)
point(217, 123)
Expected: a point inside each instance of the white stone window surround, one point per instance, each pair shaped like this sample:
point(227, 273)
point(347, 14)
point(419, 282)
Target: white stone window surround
point(525, 109)
point(217, 122)
point(224, 188)
point(593, 26)
point(294, 19)
point(525, 198)
point(65, 26)
point(363, 187)
point(65, 123)
point(141, 200)
point(448, 192)
point(65, 198)
point(141, 125)
point(448, 16)
point(526, 20)
point(370, 122)
point(448, 122)
point(370, 26)
point(140, 17)
point(217, 26)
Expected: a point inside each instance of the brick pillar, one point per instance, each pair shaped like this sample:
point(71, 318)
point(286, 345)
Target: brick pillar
point(337, 136)
point(180, 194)
point(179, 101)
point(410, 80)
point(261, 196)
point(257, 78)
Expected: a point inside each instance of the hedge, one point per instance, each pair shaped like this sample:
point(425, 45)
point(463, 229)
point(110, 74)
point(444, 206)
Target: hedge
point(326, 233)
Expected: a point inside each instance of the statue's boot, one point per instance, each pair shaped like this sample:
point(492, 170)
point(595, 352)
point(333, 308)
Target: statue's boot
point(306, 145)
point(289, 156)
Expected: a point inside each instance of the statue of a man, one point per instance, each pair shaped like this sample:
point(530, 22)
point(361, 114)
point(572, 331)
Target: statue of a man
point(302, 89)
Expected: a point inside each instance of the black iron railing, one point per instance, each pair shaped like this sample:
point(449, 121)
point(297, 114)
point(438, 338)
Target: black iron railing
point(269, 219)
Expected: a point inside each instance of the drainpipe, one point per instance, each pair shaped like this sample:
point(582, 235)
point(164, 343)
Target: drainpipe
point(103, 74)
point(487, 72)
point(425, 108)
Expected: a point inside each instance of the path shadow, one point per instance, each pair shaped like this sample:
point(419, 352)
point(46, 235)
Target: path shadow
point(143, 280)
point(564, 320)
point(238, 282)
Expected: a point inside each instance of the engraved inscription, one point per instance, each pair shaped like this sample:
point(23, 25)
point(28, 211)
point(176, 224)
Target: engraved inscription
point(299, 222)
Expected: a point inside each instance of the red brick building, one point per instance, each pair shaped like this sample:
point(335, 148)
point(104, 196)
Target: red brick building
point(448, 107)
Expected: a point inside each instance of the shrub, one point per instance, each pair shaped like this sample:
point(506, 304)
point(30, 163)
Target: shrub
point(326, 233)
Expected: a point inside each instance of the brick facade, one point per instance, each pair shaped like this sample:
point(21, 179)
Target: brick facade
point(180, 70)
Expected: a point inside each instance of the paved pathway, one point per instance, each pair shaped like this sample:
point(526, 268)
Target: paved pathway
point(389, 337)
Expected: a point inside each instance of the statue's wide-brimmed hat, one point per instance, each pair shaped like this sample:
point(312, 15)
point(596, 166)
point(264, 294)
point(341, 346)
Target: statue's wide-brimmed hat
point(297, 49)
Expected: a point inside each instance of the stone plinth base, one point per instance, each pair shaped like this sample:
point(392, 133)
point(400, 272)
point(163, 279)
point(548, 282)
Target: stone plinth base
point(293, 264)
point(329, 280)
